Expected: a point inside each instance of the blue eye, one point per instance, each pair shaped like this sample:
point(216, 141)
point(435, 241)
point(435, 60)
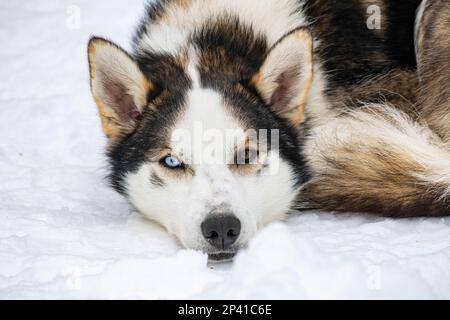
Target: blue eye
point(172, 162)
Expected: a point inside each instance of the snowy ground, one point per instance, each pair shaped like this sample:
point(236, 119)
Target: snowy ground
point(65, 234)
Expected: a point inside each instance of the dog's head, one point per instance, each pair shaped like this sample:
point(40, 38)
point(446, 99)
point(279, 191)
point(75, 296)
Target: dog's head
point(206, 142)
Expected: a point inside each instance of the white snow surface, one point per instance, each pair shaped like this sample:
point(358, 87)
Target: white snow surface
point(65, 234)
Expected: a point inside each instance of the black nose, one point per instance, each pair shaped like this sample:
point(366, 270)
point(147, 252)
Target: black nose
point(221, 231)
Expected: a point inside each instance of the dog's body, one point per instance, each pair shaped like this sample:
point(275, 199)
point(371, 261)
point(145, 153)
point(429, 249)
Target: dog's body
point(341, 93)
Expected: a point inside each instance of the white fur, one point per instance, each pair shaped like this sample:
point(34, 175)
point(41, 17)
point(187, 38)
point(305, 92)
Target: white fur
point(383, 126)
point(419, 16)
point(109, 61)
point(318, 108)
point(273, 18)
point(256, 200)
point(184, 203)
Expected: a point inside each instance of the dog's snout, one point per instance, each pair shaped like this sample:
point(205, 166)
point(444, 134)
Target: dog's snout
point(221, 231)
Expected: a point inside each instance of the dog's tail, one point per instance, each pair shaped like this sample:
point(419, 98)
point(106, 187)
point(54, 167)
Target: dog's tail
point(378, 160)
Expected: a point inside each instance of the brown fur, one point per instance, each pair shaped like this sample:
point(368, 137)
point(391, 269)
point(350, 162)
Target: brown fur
point(398, 87)
point(322, 28)
point(281, 91)
point(374, 174)
point(374, 181)
point(248, 159)
point(162, 12)
point(370, 174)
point(229, 63)
point(433, 52)
point(116, 100)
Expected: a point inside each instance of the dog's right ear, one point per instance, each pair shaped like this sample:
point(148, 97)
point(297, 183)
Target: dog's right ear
point(118, 86)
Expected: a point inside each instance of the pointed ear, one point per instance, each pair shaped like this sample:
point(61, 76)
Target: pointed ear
point(285, 78)
point(119, 87)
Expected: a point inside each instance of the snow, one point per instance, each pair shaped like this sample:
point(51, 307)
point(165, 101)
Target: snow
point(65, 234)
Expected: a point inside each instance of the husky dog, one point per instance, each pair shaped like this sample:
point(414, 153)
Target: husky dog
point(356, 113)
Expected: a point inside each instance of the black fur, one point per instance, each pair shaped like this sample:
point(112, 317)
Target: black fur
point(400, 33)
point(157, 180)
point(230, 54)
point(240, 54)
point(151, 134)
point(352, 52)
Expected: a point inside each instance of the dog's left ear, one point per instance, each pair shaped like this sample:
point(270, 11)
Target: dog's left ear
point(285, 78)
point(118, 86)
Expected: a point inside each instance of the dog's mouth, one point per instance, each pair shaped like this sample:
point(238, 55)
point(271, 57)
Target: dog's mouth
point(221, 256)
